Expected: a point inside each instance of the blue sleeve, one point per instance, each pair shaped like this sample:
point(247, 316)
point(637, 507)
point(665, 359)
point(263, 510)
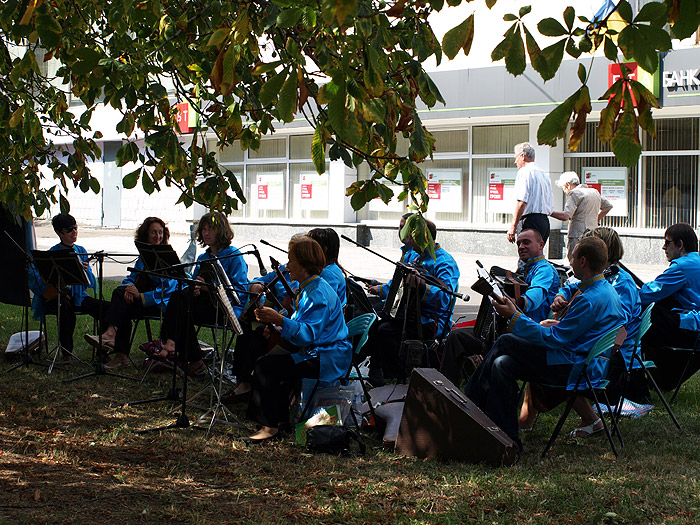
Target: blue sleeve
point(572, 327)
point(690, 320)
point(303, 328)
point(664, 285)
point(539, 286)
point(568, 290)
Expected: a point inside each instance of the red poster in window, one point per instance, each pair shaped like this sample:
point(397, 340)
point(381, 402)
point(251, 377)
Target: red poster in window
point(434, 190)
point(262, 191)
point(495, 192)
point(596, 187)
point(307, 191)
point(182, 117)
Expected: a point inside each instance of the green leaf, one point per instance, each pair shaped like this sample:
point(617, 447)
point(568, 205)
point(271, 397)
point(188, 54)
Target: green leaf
point(16, 117)
point(554, 125)
point(524, 10)
point(287, 103)
point(318, 154)
point(509, 17)
point(87, 61)
point(641, 91)
point(289, 17)
point(610, 49)
point(129, 152)
point(129, 180)
point(582, 73)
point(337, 110)
point(261, 69)
point(147, 184)
point(459, 37)
point(272, 87)
point(652, 12)
point(569, 16)
point(63, 203)
point(685, 18)
point(219, 36)
point(343, 8)
point(551, 27)
point(625, 143)
point(515, 56)
point(625, 11)
point(490, 3)
point(421, 145)
point(635, 44)
point(49, 30)
point(546, 62)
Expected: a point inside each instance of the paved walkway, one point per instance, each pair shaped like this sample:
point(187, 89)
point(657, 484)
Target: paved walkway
point(354, 259)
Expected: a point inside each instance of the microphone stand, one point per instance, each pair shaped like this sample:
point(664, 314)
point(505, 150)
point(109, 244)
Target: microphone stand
point(99, 364)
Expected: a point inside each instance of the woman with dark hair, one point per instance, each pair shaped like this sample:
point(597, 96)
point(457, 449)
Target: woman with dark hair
point(333, 273)
point(316, 329)
point(214, 232)
point(139, 295)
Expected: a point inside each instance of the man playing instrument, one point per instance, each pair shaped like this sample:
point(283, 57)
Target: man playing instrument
point(435, 312)
point(463, 350)
point(545, 352)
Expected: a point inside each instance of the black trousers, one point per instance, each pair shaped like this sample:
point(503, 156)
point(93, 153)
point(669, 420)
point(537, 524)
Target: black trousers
point(121, 314)
point(69, 311)
point(275, 377)
point(179, 328)
point(664, 332)
point(494, 385)
point(460, 344)
point(384, 344)
point(251, 345)
point(536, 221)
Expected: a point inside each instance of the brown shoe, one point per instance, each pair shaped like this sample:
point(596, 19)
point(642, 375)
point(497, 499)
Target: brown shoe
point(471, 363)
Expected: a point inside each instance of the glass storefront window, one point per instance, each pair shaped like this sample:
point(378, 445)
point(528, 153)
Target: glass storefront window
point(270, 149)
point(670, 190)
point(498, 139)
point(266, 188)
point(300, 146)
point(448, 188)
point(309, 192)
point(480, 190)
point(456, 141)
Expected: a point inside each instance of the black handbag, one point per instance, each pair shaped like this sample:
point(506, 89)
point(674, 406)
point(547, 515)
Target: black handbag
point(332, 439)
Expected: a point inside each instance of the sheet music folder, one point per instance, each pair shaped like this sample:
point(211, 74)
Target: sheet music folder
point(60, 267)
point(160, 258)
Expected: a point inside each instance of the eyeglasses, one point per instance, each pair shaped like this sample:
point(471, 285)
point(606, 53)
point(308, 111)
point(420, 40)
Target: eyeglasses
point(70, 229)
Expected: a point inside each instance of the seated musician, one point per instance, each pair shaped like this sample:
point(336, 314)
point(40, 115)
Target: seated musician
point(139, 295)
point(252, 344)
point(316, 330)
point(463, 351)
point(636, 390)
point(75, 299)
point(545, 354)
point(177, 331)
point(408, 254)
point(435, 314)
point(676, 292)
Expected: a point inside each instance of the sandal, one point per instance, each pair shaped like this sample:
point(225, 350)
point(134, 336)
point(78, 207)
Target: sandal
point(197, 368)
point(587, 431)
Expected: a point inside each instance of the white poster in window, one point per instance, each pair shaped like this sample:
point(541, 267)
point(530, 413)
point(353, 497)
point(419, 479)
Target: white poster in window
point(611, 183)
point(501, 197)
point(313, 191)
point(445, 190)
point(269, 191)
point(394, 204)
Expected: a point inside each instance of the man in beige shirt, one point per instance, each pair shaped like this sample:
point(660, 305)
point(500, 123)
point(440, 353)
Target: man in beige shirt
point(584, 208)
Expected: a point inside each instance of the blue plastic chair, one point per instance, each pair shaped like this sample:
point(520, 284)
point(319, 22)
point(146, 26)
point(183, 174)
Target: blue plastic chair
point(580, 372)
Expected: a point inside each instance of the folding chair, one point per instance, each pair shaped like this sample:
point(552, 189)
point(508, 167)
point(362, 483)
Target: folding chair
point(645, 366)
point(580, 372)
point(359, 326)
point(693, 352)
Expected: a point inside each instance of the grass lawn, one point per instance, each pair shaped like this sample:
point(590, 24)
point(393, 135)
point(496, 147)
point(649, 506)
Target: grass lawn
point(69, 454)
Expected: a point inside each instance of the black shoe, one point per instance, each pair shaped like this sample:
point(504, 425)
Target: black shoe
point(376, 377)
point(231, 398)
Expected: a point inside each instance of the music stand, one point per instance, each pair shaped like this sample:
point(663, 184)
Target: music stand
point(60, 268)
point(161, 258)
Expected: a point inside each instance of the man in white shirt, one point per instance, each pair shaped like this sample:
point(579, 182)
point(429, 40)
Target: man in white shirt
point(533, 191)
point(584, 208)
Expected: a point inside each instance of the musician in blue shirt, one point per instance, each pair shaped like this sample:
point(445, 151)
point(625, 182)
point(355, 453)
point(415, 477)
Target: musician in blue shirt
point(75, 299)
point(435, 311)
point(316, 331)
point(332, 273)
point(674, 293)
point(206, 304)
point(463, 350)
point(139, 295)
point(546, 354)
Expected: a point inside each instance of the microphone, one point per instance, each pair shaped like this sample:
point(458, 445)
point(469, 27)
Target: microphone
point(272, 245)
point(261, 266)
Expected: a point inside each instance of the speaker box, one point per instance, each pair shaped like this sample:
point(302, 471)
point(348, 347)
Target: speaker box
point(439, 421)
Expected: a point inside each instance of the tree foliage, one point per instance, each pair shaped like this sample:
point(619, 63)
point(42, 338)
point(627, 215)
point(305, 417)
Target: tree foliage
point(352, 68)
